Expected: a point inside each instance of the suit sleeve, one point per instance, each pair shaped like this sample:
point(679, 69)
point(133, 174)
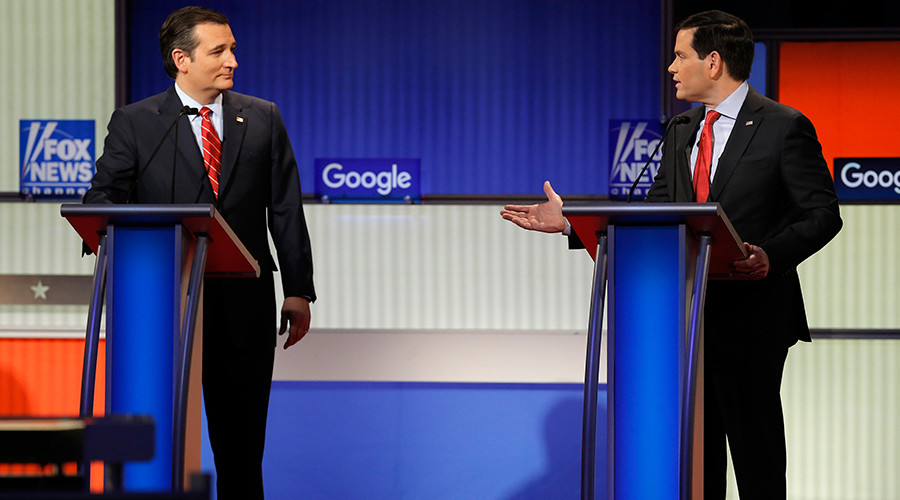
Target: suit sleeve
point(117, 167)
point(286, 219)
point(811, 198)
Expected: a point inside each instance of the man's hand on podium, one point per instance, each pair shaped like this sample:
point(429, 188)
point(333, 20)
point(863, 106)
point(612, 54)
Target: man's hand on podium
point(546, 217)
point(296, 311)
point(754, 267)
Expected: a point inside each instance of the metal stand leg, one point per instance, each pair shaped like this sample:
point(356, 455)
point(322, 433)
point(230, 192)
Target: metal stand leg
point(92, 333)
point(183, 374)
point(91, 343)
point(592, 372)
point(689, 382)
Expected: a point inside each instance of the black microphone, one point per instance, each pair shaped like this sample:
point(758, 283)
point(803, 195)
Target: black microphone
point(185, 110)
point(674, 121)
point(188, 111)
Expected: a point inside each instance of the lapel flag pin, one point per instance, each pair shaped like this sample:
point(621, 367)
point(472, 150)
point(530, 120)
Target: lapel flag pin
point(749, 122)
point(240, 119)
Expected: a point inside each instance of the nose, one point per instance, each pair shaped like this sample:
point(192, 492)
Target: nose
point(231, 62)
point(671, 68)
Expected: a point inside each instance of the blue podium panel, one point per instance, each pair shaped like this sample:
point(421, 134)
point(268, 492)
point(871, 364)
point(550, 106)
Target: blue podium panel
point(646, 332)
point(143, 297)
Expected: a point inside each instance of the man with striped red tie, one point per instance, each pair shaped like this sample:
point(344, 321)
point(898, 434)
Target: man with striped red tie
point(231, 150)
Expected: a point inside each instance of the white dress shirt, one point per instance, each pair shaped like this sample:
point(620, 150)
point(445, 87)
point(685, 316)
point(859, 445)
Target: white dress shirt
point(722, 128)
point(197, 121)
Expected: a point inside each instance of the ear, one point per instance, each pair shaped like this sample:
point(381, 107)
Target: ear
point(715, 65)
point(181, 59)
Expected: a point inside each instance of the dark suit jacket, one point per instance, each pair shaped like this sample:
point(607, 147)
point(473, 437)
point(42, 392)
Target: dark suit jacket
point(775, 187)
point(259, 182)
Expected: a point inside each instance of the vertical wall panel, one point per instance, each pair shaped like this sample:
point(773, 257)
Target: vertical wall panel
point(842, 412)
point(34, 239)
point(442, 267)
point(458, 266)
point(854, 282)
point(57, 64)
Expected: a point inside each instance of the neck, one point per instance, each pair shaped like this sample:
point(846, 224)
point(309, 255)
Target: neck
point(202, 97)
point(720, 92)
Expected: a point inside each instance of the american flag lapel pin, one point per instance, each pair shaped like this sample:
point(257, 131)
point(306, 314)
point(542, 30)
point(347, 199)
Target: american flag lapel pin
point(240, 119)
point(749, 122)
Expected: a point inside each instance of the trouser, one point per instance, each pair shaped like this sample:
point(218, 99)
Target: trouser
point(743, 402)
point(239, 336)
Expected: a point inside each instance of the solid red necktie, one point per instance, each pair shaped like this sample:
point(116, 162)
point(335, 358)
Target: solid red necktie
point(212, 150)
point(704, 158)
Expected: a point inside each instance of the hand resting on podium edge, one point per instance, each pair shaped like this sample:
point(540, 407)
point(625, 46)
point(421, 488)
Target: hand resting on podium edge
point(754, 267)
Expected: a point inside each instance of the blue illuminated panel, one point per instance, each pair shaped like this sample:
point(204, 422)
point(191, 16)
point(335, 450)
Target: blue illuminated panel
point(646, 310)
point(144, 295)
point(758, 70)
point(493, 97)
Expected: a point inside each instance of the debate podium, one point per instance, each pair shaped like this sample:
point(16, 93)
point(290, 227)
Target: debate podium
point(151, 260)
point(656, 259)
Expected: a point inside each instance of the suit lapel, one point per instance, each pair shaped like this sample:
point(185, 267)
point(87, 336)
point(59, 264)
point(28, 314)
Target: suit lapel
point(234, 123)
point(747, 123)
point(187, 143)
point(685, 136)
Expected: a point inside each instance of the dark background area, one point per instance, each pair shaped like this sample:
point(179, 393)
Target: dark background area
point(784, 14)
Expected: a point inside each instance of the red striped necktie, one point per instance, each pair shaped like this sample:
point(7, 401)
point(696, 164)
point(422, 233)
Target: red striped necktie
point(212, 150)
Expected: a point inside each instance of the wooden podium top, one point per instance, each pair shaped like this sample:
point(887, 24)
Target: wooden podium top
point(227, 255)
point(588, 219)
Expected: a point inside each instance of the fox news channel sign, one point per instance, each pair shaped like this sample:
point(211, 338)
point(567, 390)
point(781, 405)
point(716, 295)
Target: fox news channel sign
point(631, 144)
point(379, 179)
point(871, 179)
point(57, 157)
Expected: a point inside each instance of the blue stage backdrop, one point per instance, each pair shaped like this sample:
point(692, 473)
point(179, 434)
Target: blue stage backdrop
point(493, 96)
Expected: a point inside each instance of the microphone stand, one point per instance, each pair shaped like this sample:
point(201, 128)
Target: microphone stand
point(674, 121)
point(186, 110)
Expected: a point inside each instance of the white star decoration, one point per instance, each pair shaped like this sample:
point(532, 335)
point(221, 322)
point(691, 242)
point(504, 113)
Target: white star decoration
point(40, 290)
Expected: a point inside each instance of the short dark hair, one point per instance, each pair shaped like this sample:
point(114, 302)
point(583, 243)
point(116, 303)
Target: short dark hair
point(177, 32)
point(723, 33)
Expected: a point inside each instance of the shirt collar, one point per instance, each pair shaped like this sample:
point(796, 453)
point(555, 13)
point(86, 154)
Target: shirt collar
point(731, 106)
point(215, 107)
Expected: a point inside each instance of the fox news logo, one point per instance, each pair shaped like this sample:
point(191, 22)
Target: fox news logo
point(632, 142)
point(368, 179)
point(874, 179)
point(57, 157)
